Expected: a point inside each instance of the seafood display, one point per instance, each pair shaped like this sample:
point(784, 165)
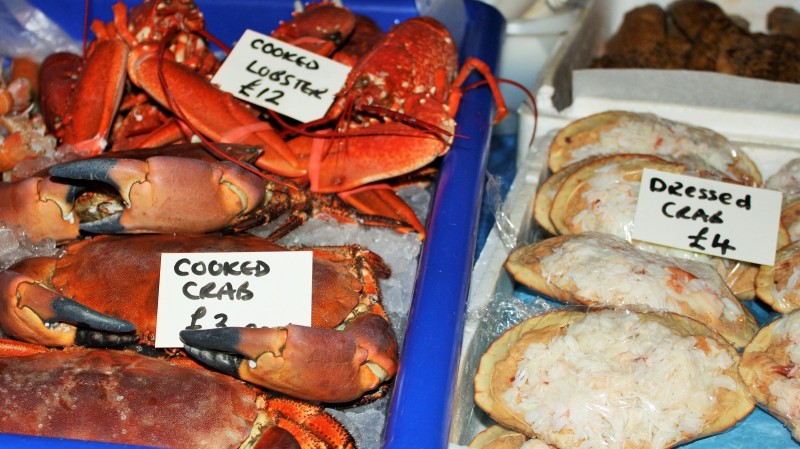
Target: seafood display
point(612, 378)
point(600, 194)
point(769, 367)
point(81, 299)
point(548, 370)
point(144, 87)
point(565, 268)
point(413, 104)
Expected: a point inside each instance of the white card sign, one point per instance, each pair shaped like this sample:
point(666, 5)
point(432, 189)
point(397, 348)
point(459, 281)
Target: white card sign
point(233, 289)
point(279, 76)
point(709, 217)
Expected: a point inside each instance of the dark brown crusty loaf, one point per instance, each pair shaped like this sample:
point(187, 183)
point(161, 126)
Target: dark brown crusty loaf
point(699, 35)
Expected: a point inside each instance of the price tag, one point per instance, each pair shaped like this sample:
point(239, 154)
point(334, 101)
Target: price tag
point(281, 77)
point(709, 217)
point(250, 289)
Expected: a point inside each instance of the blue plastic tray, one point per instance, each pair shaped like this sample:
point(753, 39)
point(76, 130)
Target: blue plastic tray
point(227, 19)
point(421, 404)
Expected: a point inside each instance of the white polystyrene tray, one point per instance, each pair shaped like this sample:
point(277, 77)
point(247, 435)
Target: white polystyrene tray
point(489, 279)
point(762, 116)
point(746, 109)
point(532, 31)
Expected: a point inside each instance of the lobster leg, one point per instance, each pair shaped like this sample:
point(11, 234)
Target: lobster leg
point(382, 200)
point(32, 313)
point(160, 194)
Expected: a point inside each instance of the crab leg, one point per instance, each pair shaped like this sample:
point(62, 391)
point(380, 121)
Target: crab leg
point(32, 313)
point(310, 363)
point(160, 194)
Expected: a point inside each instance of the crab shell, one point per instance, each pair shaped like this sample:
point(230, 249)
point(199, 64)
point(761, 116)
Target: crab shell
point(498, 368)
point(570, 143)
point(543, 201)
point(567, 211)
point(790, 219)
point(525, 265)
point(577, 206)
point(498, 437)
point(133, 399)
point(758, 368)
point(777, 284)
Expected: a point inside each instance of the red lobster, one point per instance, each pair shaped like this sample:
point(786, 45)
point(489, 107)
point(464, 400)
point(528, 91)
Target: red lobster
point(385, 124)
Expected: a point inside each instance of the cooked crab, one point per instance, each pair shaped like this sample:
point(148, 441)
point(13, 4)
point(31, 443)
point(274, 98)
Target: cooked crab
point(612, 379)
point(769, 369)
point(629, 132)
point(597, 269)
point(779, 285)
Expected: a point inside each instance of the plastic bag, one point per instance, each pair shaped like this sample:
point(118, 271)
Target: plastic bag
point(26, 31)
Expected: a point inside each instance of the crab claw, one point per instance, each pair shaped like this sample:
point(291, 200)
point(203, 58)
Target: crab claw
point(165, 194)
point(42, 207)
point(309, 363)
point(32, 313)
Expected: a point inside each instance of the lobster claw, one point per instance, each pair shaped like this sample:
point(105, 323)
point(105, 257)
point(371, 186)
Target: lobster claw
point(160, 194)
point(310, 363)
point(32, 313)
point(228, 121)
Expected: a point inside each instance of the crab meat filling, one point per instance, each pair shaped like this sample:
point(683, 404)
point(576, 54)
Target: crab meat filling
point(615, 381)
point(786, 390)
point(634, 277)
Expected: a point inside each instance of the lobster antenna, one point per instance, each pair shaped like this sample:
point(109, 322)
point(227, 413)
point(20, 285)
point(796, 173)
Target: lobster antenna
point(214, 40)
point(85, 27)
point(303, 130)
point(524, 89)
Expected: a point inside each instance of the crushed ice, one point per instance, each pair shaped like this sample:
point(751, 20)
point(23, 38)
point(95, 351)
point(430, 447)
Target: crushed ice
point(401, 252)
point(15, 246)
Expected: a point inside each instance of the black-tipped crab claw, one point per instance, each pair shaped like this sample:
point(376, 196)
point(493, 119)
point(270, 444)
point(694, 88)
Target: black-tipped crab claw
point(35, 314)
point(166, 194)
point(310, 363)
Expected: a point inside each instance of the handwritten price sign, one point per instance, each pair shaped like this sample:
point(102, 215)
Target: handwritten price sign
point(279, 76)
point(252, 289)
point(709, 217)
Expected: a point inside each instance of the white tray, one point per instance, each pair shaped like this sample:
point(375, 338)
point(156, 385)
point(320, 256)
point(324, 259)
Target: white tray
point(491, 285)
point(746, 109)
